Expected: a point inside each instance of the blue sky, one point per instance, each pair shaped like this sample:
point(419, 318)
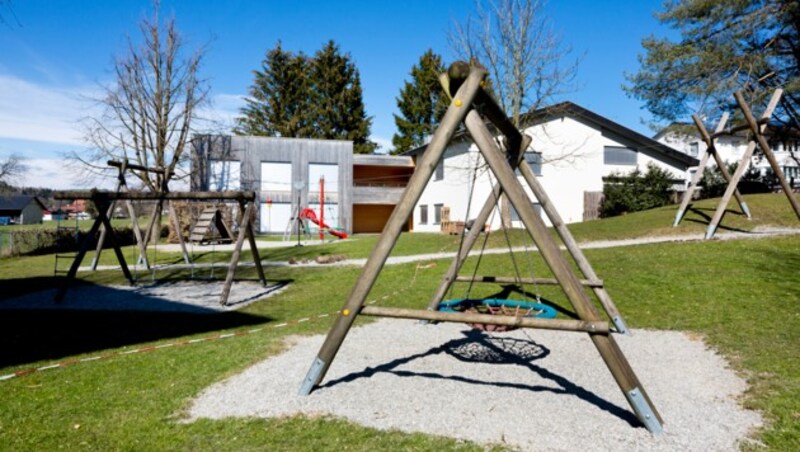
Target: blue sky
point(53, 61)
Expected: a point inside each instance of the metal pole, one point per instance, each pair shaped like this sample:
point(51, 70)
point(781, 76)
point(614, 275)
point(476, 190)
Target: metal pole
point(455, 114)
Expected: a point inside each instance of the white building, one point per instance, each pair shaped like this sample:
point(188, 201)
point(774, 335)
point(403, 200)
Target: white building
point(572, 150)
point(731, 148)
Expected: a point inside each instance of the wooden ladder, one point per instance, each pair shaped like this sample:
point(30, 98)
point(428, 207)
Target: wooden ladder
point(210, 217)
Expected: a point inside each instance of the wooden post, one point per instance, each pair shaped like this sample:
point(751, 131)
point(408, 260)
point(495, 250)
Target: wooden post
point(251, 237)
point(710, 150)
point(76, 263)
point(101, 220)
point(762, 143)
point(455, 114)
point(597, 327)
point(115, 245)
point(237, 251)
point(744, 163)
point(606, 345)
point(176, 223)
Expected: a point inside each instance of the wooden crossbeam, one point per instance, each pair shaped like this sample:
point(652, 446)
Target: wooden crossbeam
point(149, 196)
point(598, 327)
point(513, 280)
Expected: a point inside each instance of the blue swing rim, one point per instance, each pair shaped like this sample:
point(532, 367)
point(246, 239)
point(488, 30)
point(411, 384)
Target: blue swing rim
point(459, 304)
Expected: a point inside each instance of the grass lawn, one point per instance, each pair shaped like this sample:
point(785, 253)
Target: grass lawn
point(742, 296)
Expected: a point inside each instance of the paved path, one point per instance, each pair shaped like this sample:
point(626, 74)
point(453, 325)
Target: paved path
point(394, 260)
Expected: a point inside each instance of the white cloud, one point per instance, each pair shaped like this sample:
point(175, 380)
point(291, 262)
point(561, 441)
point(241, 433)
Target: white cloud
point(59, 175)
point(37, 112)
point(384, 144)
point(221, 115)
point(30, 111)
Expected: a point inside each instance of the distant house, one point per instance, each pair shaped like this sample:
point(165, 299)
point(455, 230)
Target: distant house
point(785, 143)
point(21, 209)
point(572, 151)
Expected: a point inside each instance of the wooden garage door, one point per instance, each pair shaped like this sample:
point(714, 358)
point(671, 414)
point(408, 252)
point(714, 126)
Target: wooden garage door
point(372, 217)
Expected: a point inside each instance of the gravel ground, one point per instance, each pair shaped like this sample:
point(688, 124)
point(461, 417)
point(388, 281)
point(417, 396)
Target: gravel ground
point(179, 296)
point(529, 389)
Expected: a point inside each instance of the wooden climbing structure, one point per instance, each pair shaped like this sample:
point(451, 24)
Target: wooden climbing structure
point(473, 106)
point(210, 227)
point(756, 128)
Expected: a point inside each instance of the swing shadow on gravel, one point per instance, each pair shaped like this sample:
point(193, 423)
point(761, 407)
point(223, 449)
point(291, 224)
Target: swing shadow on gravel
point(95, 317)
point(478, 347)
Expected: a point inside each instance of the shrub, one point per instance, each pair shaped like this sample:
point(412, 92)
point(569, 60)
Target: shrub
point(636, 191)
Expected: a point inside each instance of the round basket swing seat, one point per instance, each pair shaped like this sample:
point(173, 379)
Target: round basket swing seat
point(497, 306)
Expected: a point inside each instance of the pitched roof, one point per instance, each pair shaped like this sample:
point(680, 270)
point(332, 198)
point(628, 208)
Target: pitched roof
point(18, 202)
point(575, 111)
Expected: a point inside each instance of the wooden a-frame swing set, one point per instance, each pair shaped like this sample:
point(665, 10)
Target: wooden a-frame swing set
point(104, 202)
point(471, 104)
point(756, 128)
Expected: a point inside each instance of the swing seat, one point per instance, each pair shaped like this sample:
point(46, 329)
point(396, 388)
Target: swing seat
point(497, 306)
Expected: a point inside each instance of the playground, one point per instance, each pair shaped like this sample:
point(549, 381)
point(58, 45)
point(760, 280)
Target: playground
point(169, 364)
point(520, 332)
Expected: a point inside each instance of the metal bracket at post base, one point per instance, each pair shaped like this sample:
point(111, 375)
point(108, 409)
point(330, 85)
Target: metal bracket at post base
point(619, 324)
point(644, 411)
point(678, 218)
point(312, 377)
point(710, 231)
point(746, 211)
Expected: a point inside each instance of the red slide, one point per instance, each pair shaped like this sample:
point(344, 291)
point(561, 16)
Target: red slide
point(311, 216)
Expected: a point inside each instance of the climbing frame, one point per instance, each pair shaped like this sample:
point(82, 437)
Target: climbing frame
point(472, 106)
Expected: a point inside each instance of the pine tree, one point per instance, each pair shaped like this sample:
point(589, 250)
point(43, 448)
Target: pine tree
point(723, 46)
point(337, 107)
point(421, 103)
point(279, 97)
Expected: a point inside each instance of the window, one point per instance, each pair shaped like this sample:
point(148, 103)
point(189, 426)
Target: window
point(437, 213)
point(694, 149)
point(536, 208)
point(534, 160)
point(224, 175)
point(439, 175)
point(423, 214)
point(616, 155)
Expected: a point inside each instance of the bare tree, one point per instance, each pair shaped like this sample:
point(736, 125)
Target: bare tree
point(525, 57)
point(11, 168)
point(148, 112)
point(515, 41)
